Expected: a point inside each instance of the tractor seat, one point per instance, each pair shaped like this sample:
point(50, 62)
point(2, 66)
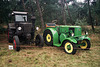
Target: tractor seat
point(50, 25)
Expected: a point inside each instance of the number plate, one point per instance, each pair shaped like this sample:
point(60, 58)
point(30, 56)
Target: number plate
point(10, 47)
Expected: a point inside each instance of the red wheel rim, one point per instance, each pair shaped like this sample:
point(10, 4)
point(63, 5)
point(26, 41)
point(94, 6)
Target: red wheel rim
point(8, 34)
point(14, 44)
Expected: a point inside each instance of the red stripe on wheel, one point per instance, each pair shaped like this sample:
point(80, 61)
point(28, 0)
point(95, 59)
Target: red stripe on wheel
point(8, 34)
point(14, 44)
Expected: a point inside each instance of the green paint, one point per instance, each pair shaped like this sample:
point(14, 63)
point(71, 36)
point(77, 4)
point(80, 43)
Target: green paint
point(62, 36)
point(69, 47)
point(70, 39)
point(55, 35)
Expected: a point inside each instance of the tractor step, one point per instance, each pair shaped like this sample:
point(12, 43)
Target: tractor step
point(58, 44)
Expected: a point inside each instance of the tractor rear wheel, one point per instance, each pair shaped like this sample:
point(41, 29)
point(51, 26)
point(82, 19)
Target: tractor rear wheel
point(48, 38)
point(16, 43)
point(39, 41)
point(69, 47)
point(86, 45)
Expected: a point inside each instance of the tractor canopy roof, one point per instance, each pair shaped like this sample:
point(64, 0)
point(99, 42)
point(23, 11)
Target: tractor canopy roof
point(17, 12)
point(20, 16)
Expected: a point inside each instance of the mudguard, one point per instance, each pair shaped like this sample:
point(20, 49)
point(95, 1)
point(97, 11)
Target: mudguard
point(55, 35)
point(87, 38)
point(70, 39)
point(84, 37)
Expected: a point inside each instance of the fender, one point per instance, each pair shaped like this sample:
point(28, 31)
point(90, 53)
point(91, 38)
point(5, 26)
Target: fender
point(54, 35)
point(70, 39)
point(84, 37)
point(87, 38)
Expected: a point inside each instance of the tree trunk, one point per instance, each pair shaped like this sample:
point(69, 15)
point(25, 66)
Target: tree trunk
point(69, 12)
point(23, 5)
point(31, 8)
point(90, 17)
point(63, 11)
point(40, 13)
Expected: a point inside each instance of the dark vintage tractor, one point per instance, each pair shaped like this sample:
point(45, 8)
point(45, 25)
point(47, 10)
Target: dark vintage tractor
point(70, 37)
point(22, 31)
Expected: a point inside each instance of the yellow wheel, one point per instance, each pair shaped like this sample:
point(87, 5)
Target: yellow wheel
point(48, 37)
point(85, 44)
point(69, 47)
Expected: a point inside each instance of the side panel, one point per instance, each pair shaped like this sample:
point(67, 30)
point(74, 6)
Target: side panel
point(78, 31)
point(62, 37)
point(63, 29)
point(11, 26)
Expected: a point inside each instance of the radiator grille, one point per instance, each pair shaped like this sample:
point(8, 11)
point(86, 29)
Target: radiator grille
point(26, 27)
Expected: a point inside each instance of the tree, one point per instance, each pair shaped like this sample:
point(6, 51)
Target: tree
point(4, 11)
point(40, 13)
point(68, 12)
point(96, 11)
point(48, 10)
point(63, 11)
point(23, 5)
point(90, 17)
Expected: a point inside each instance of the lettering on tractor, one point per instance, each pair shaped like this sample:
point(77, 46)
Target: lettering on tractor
point(22, 31)
point(70, 37)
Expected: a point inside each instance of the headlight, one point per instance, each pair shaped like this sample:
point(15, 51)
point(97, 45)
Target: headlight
point(37, 28)
point(72, 34)
point(86, 33)
point(12, 13)
point(19, 28)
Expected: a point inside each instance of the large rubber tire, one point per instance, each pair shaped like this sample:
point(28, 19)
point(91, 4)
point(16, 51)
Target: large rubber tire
point(86, 45)
point(10, 35)
point(69, 47)
point(16, 43)
point(48, 38)
point(39, 40)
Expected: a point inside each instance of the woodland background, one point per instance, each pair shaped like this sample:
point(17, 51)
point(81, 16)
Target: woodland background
point(70, 12)
point(65, 12)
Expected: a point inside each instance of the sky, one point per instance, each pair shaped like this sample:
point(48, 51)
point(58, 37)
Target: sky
point(83, 0)
point(80, 0)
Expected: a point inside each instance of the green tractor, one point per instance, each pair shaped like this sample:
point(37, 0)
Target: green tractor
point(70, 37)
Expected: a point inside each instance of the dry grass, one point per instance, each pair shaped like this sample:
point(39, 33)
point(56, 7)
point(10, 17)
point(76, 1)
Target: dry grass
point(50, 56)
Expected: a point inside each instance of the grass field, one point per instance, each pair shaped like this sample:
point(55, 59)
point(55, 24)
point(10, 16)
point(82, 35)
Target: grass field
point(50, 56)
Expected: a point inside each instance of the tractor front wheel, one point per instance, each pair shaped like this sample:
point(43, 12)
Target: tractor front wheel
point(69, 47)
point(16, 43)
point(39, 41)
point(85, 45)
